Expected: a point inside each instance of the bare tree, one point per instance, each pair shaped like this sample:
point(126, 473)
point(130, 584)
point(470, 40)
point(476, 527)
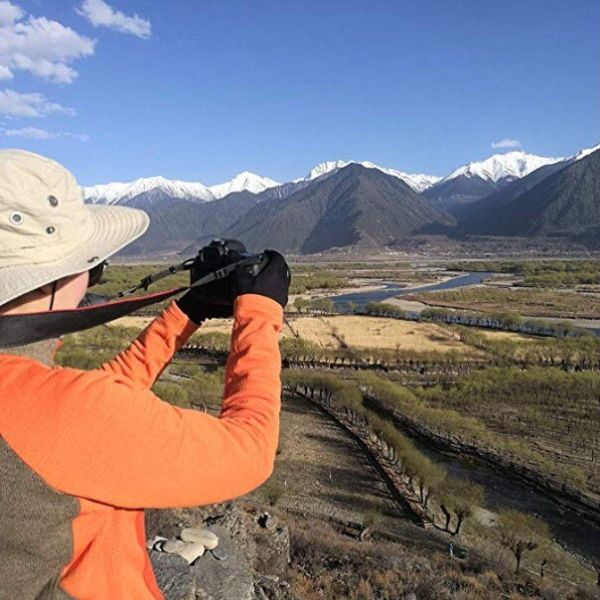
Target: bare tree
point(521, 533)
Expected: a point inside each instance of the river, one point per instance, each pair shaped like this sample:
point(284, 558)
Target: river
point(502, 491)
point(360, 299)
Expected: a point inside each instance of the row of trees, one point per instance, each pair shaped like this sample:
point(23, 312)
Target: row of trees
point(301, 350)
point(304, 282)
point(535, 404)
point(507, 321)
point(424, 478)
point(428, 409)
point(547, 273)
point(570, 354)
point(504, 321)
point(456, 499)
point(314, 305)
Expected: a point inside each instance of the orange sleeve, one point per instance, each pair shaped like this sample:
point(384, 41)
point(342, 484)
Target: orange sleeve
point(144, 360)
point(97, 436)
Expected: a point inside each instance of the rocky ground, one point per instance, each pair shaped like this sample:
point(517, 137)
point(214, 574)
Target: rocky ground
point(252, 552)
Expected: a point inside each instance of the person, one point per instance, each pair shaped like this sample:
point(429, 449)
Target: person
point(83, 453)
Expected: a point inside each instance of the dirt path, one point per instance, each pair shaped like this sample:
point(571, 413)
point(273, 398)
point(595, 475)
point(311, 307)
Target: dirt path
point(325, 472)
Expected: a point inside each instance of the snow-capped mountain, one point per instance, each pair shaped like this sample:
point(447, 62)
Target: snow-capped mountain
point(112, 193)
point(416, 181)
point(585, 152)
point(476, 180)
point(244, 182)
point(513, 165)
point(465, 184)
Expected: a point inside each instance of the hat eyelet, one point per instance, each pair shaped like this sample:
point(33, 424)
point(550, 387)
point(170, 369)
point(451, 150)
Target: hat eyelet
point(50, 229)
point(16, 218)
point(53, 201)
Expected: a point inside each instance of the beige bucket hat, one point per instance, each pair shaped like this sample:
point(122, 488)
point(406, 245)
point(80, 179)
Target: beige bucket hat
point(46, 231)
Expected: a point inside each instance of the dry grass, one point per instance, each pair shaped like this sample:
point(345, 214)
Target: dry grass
point(357, 332)
point(506, 335)
point(214, 325)
point(533, 302)
point(327, 565)
point(377, 332)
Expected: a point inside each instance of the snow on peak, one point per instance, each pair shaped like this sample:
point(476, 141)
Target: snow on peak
point(416, 181)
point(245, 181)
point(330, 166)
point(111, 193)
point(514, 165)
point(585, 152)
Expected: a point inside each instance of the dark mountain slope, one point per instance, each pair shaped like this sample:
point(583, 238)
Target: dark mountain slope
point(565, 203)
point(354, 207)
point(461, 190)
point(472, 217)
point(176, 223)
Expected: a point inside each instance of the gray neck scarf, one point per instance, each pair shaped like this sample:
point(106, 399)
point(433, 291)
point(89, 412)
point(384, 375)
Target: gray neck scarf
point(41, 351)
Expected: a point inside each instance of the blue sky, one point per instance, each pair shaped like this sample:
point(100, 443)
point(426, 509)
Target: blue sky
point(203, 89)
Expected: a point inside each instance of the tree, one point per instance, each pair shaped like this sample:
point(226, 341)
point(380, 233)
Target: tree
point(323, 305)
point(369, 520)
point(521, 533)
point(327, 305)
point(429, 478)
point(469, 495)
point(460, 496)
point(300, 303)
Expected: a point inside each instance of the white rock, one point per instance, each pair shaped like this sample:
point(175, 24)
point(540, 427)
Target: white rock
point(201, 536)
point(190, 552)
point(173, 546)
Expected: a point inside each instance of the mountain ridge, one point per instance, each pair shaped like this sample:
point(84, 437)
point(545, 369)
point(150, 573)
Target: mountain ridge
point(356, 206)
point(564, 203)
point(494, 169)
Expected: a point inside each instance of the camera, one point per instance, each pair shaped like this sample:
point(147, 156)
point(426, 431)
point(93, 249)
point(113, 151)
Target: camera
point(219, 253)
point(219, 259)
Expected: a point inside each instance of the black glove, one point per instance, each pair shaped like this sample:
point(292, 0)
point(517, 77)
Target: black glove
point(273, 281)
point(213, 300)
point(198, 310)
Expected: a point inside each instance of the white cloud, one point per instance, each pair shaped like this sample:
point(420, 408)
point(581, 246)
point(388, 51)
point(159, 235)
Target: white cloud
point(9, 13)
point(15, 104)
point(506, 143)
point(5, 72)
point(34, 133)
point(40, 46)
point(101, 14)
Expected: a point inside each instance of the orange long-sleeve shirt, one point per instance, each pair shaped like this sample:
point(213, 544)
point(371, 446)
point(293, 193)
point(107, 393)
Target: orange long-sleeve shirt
point(103, 439)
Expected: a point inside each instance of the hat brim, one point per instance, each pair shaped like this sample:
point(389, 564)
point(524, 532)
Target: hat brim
point(114, 227)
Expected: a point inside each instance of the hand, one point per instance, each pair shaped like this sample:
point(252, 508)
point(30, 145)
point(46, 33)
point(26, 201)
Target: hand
point(198, 310)
point(273, 281)
point(213, 300)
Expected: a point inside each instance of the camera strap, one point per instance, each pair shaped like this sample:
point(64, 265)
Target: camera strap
point(17, 330)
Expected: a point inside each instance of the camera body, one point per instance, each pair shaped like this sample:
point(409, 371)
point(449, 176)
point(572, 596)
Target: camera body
point(214, 258)
point(219, 253)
